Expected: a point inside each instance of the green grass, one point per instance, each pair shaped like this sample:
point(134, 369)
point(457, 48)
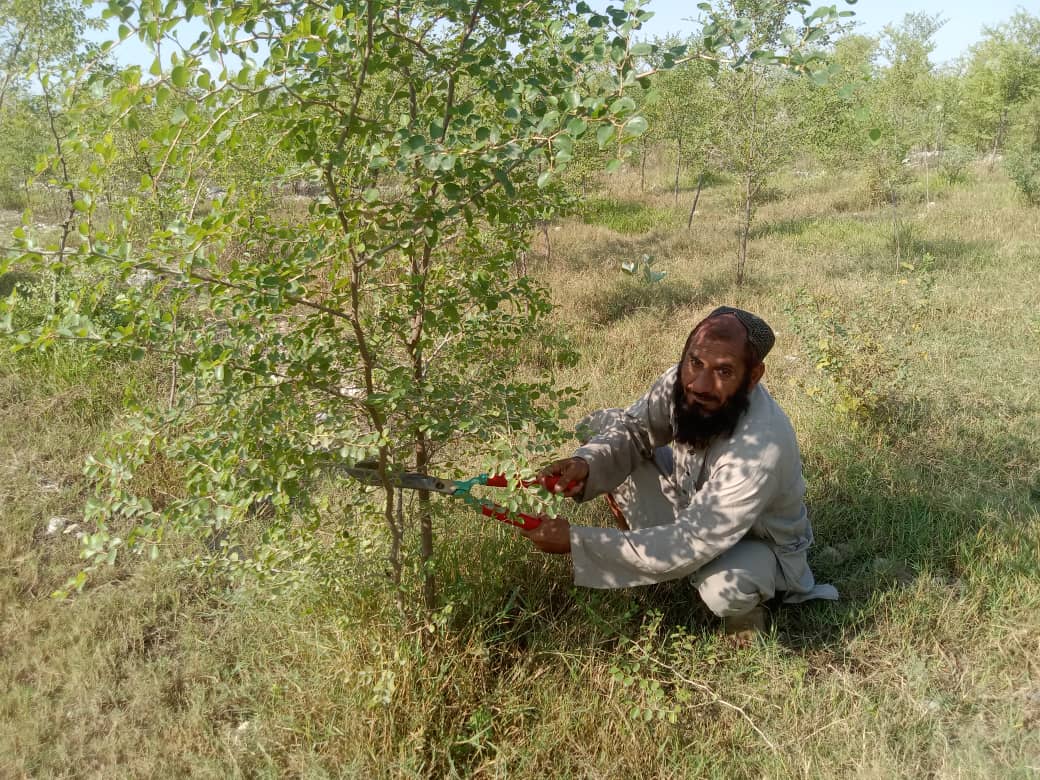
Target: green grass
point(926, 510)
point(625, 216)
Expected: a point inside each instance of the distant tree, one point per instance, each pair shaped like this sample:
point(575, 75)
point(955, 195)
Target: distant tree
point(753, 133)
point(23, 139)
point(687, 111)
point(1023, 158)
point(37, 37)
point(833, 113)
point(1001, 73)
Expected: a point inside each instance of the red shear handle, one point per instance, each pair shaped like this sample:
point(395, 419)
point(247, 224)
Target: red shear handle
point(520, 520)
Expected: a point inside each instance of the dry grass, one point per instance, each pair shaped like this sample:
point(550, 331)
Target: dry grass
point(926, 518)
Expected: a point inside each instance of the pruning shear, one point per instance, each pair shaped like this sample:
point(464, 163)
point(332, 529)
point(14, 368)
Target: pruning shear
point(411, 480)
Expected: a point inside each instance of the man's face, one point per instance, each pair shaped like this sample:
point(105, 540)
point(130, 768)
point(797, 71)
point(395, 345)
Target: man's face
point(713, 385)
point(714, 366)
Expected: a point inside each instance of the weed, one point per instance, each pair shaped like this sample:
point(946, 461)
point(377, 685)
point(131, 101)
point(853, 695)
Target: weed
point(865, 351)
point(644, 270)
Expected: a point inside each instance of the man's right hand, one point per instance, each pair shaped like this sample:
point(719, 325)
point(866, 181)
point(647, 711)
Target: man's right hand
point(570, 474)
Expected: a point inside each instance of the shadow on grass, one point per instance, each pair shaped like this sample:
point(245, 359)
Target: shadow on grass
point(630, 296)
point(951, 251)
point(625, 216)
point(784, 227)
point(607, 253)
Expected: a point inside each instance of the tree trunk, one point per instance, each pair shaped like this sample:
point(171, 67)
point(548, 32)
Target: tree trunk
point(421, 270)
point(927, 179)
point(896, 237)
point(172, 397)
point(696, 197)
point(1002, 129)
point(998, 138)
point(678, 167)
point(745, 229)
point(422, 462)
point(642, 170)
point(393, 522)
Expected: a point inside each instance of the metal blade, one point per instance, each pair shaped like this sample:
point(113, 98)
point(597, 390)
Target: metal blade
point(409, 480)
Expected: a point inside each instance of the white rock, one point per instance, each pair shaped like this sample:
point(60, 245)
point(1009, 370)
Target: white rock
point(56, 524)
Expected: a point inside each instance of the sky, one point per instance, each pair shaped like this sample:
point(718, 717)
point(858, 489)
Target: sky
point(966, 18)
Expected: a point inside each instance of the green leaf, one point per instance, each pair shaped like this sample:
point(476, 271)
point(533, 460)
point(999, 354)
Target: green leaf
point(622, 105)
point(577, 127)
point(821, 77)
point(180, 76)
point(371, 195)
point(605, 135)
point(503, 179)
point(875, 134)
point(635, 127)
point(544, 179)
point(613, 166)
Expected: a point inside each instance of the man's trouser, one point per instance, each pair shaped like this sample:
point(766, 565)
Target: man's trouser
point(732, 584)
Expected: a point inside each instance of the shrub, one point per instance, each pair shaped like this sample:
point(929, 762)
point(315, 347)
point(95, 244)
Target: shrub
point(955, 164)
point(1023, 167)
point(864, 352)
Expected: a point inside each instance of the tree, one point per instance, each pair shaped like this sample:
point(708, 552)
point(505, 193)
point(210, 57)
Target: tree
point(683, 116)
point(1002, 72)
point(1023, 159)
point(386, 324)
point(903, 102)
point(38, 39)
point(833, 114)
point(752, 119)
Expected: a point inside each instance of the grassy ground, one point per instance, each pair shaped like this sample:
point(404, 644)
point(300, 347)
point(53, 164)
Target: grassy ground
point(919, 438)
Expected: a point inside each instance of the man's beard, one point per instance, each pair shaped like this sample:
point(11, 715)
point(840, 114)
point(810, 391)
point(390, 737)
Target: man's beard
point(697, 427)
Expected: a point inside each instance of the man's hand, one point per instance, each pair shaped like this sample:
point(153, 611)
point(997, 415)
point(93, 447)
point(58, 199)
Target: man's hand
point(571, 474)
point(552, 536)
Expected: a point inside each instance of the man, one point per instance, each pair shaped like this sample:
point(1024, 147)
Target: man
point(724, 504)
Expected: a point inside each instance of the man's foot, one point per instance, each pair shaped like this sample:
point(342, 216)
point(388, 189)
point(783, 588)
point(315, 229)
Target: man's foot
point(742, 629)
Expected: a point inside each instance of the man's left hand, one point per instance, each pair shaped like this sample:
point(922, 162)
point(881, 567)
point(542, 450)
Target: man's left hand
point(552, 536)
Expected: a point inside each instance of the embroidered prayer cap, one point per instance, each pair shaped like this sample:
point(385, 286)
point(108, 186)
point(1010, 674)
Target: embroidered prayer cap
point(760, 335)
